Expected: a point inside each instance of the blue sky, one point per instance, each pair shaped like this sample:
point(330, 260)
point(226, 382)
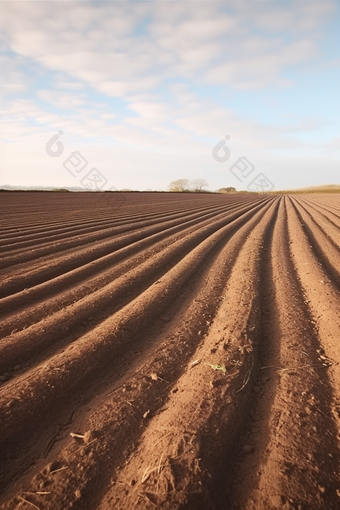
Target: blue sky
point(145, 90)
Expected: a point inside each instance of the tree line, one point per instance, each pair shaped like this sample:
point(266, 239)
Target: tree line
point(196, 185)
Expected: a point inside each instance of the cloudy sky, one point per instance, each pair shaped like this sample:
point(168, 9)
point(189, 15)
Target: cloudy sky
point(144, 90)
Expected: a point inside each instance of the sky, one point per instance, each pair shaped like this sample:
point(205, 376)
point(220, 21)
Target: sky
point(136, 94)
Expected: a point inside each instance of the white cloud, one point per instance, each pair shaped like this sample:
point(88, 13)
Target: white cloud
point(153, 55)
point(97, 44)
point(71, 85)
point(12, 80)
point(295, 16)
point(128, 87)
point(261, 70)
point(65, 101)
point(151, 110)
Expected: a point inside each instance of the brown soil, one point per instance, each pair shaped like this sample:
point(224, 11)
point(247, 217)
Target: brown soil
point(169, 351)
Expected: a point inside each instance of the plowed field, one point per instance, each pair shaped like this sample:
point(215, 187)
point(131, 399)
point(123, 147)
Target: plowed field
point(169, 351)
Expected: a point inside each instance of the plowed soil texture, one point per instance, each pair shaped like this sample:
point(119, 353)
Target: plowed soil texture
point(169, 351)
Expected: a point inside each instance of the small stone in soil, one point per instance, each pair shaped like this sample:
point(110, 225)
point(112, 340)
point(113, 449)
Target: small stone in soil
point(247, 448)
point(3, 378)
point(17, 367)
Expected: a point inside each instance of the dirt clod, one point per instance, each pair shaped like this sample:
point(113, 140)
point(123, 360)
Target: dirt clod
point(247, 448)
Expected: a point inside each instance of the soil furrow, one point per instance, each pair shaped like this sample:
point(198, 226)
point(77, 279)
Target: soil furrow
point(106, 267)
point(322, 295)
point(189, 334)
point(80, 208)
point(188, 360)
point(290, 466)
point(19, 256)
point(325, 201)
point(63, 326)
point(46, 237)
point(330, 218)
point(328, 228)
point(196, 431)
point(324, 248)
point(126, 323)
point(126, 320)
point(33, 273)
point(99, 258)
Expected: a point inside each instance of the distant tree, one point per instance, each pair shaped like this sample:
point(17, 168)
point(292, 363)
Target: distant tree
point(198, 184)
point(179, 185)
point(230, 189)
